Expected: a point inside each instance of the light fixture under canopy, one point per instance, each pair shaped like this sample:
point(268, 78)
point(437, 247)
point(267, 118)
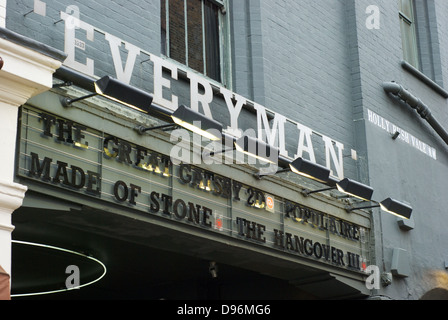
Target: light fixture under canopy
point(125, 94)
point(120, 92)
point(257, 149)
point(304, 168)
point(355, 189)
point(397, 208)
point(391, 206)
point(191, 120)
point(197, 123)
point(310, 170)
point(349, 187)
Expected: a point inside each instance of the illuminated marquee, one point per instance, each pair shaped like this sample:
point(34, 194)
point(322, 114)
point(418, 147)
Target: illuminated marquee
point(61, 153)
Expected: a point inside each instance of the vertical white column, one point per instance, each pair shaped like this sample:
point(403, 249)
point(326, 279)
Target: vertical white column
point(11, 197)
point(24, 74)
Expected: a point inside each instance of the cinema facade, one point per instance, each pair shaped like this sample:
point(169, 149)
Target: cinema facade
point(188, 154)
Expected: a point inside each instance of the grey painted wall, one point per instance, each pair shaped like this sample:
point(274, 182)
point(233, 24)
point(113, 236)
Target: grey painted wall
point(395, 168)
point(285, 61)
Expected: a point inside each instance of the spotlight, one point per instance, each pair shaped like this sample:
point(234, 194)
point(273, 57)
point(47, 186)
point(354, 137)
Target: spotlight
point(257, 149)
point(197, 123)
point(391, 206)
point(254, 148)
point(350, 187)
point(355, 189)
point(192, 121)
point(397, 208)
point(120, 92)
point(306, 169)
point(310, 170)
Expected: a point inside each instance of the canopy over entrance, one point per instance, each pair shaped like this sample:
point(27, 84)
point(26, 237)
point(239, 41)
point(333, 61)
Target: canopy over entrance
point(150, 261)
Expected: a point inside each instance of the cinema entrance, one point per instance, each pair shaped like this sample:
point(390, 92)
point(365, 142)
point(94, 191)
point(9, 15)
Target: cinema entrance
point(110, 213)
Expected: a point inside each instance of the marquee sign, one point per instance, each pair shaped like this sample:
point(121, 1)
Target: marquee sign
point(64, 154)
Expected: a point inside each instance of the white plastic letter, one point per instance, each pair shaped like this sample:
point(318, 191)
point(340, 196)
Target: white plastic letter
point(71, 23)
point(305, 134)
point(274, 136)
point(160, 82)
point(234, 110)
point(196, 98)
point(330, 154)
point(40, 8)
point(133, 51)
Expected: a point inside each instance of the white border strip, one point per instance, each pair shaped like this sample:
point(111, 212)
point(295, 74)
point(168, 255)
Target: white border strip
point(63, 250)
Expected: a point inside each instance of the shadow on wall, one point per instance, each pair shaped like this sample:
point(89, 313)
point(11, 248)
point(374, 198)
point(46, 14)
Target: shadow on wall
point(438, 280)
